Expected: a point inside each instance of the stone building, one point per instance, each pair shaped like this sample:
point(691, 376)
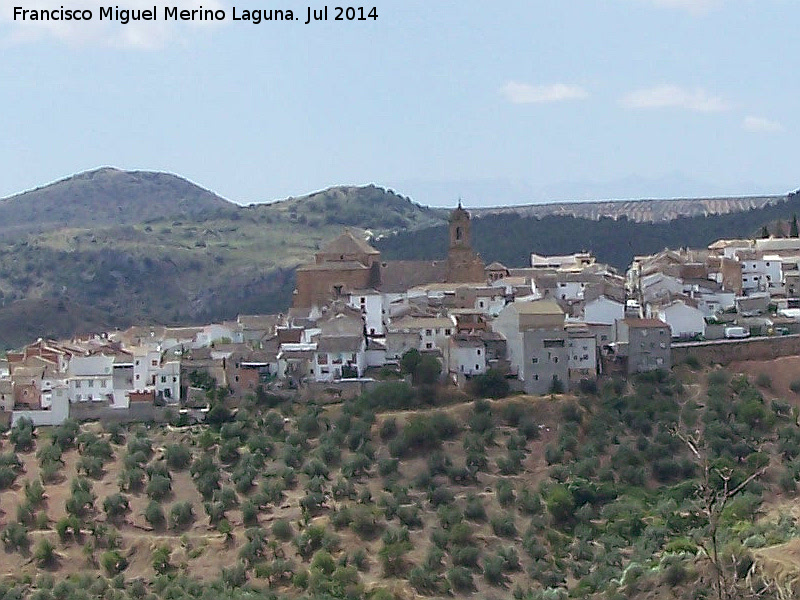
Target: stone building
point(349, 264)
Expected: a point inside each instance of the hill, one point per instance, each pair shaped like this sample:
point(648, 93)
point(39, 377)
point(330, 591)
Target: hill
point(108, 196)
point(641, 211)
point(186, 257)
point(510, 238)
point(677, 486)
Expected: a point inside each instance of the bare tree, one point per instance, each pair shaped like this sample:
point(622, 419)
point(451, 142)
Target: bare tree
point(711, 499)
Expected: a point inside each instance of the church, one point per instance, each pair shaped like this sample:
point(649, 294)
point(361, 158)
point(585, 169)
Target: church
point(349, 264)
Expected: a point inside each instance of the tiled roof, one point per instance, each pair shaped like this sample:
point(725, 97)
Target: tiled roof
point(347, 243)
point(645, 323)
point(401, 275)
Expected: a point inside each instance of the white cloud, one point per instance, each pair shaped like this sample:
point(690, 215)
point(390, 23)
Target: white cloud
point(761, 125)
point(523, 93)
point(673, 96)
point(696, 7)
point(134, 34)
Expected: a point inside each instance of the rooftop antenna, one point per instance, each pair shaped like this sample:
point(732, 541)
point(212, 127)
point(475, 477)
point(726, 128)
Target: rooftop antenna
point(459, 202)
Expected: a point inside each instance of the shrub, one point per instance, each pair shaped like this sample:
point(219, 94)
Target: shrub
point(154, 514)
point(7, 477)
point(116, 506)
point(460, 579)
point(34, 492)
point(474, 510)
point(505, 492)
point(389, 428)
point(504, 525)
point(396, 545)
point(159, 487)
point(393, 395)
point(282, 530)
point(493, 567)
point(560, 504)
point(15, 536)
point(181, 515)
point(22, 435)
point(763, 380)
point(160, 560)
point(491, 384)
point(113, 562)
point(178, 457)
point(45, 553)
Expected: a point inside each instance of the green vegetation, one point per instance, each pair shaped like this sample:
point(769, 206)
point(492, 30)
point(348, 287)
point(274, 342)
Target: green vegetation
point(636, 489)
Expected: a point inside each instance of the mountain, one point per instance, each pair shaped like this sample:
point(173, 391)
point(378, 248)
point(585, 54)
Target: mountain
point(108, 196)
point(135, 247)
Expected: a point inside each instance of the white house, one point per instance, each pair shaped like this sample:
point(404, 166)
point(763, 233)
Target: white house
point(684, 321)
point(91, 379)
point(432, 332)
point(335, 356)
point(370, 303)
point(467, 355)
point(582, 359)
point(603, 311)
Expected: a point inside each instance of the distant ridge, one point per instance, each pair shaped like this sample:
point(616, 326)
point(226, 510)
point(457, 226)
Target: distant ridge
point(108, 196)
point(640, 211)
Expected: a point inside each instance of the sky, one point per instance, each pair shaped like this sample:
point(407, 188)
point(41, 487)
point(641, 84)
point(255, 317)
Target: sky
point(498, 103)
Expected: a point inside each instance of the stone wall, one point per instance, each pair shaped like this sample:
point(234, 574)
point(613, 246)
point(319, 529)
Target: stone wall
point(727, 351)
point(137, 413)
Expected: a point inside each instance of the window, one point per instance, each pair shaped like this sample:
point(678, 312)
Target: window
point(428, 345)
point(555, 359)
point(91, 383)
point(477, 367)
point(175, 379)
point(428, 332)
point(103, 383)
point(322, 359)
point(363, 300)
point(447, 331)
point(535, 377)
point(553, 343)
point(137, 363)
point(479, 351)
point(154, 363)
point(164, 379)
point(534, 360)
point(78, 384)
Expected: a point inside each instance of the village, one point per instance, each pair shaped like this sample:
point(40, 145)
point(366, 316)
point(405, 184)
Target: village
point(545, 328)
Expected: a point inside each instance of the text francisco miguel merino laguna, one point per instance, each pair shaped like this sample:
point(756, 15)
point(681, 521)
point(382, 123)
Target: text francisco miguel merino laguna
point(174, 13)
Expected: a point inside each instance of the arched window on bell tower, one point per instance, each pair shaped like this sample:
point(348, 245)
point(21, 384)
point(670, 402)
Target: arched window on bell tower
point(459, 227)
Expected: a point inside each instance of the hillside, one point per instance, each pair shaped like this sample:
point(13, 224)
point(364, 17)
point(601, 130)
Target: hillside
point(406, 494)
point(510, 239)
point(640, 211)
point(175, 261)
point(107, 196)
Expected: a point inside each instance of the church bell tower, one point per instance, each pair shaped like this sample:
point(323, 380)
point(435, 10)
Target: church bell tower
point(463, 264)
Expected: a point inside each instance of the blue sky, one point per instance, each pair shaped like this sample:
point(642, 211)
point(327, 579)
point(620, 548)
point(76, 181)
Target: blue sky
point(525, 101)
